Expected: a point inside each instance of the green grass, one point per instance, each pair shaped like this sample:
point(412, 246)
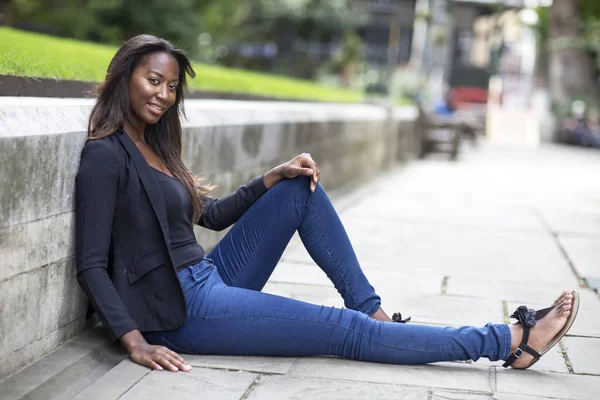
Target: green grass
point(34, 55)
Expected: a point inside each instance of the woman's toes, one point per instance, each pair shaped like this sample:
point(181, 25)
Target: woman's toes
point(561, 297)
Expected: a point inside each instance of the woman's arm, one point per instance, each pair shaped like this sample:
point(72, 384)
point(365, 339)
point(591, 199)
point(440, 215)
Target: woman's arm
point(218, 214)
point(96, 188)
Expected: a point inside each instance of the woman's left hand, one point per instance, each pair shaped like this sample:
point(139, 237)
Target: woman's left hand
point(301, 165)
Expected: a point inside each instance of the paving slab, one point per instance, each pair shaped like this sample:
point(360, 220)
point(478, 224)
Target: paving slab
point(586, 324)
point(552, 361)
point(270, 365)
point(80, 348)
point(417, 249)
point(315, 294)
point(516, 291)
point(448, 310)
point(440, 375)
point(571, 221)
point(475, 216)
point(512, 396)
point(584, 354)
point(584, 252)
point(305, 272)
point(198, 383)
point(446, 395)
point(548, 384)
point(115, 382)
point(285, 387)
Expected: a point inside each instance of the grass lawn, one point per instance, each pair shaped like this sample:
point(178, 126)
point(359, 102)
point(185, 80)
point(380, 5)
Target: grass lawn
point(34, 55)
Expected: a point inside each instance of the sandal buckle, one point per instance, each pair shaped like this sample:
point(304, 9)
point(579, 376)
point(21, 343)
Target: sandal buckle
point(518, 352)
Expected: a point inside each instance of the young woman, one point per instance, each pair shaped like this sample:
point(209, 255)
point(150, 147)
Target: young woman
point(156, 291)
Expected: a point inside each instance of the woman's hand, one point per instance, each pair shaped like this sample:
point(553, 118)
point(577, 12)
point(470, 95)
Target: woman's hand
point(155, 357)
point(301, 165)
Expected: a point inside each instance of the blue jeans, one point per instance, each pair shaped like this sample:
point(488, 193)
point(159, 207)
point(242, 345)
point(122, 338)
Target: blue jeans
point(229, 315)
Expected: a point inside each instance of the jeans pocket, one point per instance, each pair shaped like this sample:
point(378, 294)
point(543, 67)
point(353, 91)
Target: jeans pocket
point(174, 348)
point(195, 276)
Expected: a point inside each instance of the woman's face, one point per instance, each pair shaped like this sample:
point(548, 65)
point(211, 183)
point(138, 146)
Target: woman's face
point(153, 87)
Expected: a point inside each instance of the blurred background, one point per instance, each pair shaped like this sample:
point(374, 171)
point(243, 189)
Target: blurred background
point(533, 64)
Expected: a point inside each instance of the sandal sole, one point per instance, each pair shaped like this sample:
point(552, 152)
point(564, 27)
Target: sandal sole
point(563, 331)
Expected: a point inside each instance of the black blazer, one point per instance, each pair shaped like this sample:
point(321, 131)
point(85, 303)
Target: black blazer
point(123, 256)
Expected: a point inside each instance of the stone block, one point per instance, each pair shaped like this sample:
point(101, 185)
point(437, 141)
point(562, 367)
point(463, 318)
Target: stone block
point(12, 250)
point(28, 246)
point(458, 376)
point(286, 387)
point(35, 304)
point(32, 351)
point(199, 382)
point(38, 176)
point(269, 365)
point(584, 354)
point(547, 384)
point(41, 372)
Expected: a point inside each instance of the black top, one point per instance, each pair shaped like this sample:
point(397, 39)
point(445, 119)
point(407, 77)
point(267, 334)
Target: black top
point(123, 253)
point(184, 247)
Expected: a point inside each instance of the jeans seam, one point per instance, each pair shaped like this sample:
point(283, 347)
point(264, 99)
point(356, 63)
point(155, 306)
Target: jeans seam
point(254, 252)
point(330, 324)
point(507, 343)
point(329, 254)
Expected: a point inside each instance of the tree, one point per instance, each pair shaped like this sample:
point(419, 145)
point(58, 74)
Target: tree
point(571, 71)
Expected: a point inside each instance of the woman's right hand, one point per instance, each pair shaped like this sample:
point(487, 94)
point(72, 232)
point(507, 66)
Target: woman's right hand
point(159, 358)
point(155, 357)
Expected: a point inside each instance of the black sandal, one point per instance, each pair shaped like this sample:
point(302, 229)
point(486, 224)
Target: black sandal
point(397, 317)
point(528, 317)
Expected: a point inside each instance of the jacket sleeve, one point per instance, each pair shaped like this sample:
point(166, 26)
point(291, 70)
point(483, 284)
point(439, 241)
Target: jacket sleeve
point(96, 188)
point(218, 214)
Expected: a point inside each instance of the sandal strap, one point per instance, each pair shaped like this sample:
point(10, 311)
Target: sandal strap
point(523, 347)
point(527, 318)
point(397, 317)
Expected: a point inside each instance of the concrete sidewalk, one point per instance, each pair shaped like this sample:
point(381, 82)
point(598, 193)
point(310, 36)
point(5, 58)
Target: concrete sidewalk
point(450, 243)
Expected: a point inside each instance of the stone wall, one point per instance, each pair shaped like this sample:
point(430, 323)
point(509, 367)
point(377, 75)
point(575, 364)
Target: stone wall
point(229, 142)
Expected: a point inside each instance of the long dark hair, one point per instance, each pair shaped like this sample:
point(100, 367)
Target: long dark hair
point(164, 138)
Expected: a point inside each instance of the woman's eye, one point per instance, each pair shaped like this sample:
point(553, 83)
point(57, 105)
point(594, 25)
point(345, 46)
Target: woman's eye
point(153, 81)
point(173, 87)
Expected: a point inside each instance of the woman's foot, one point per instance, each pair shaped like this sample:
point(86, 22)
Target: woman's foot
point(380, 315)
point(544, 330)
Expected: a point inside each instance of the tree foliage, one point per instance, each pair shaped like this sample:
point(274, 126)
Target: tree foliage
point(209, 30)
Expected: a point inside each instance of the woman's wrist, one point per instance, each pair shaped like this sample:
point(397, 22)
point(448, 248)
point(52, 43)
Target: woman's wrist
point(132, 340)
point(273, 177)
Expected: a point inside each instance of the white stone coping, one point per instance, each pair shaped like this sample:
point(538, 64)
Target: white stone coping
point(27, 116)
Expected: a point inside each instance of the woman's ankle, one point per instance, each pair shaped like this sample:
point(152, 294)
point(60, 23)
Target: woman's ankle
point(380, 315)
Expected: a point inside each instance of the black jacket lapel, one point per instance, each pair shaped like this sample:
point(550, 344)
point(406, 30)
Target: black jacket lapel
point(149, 183)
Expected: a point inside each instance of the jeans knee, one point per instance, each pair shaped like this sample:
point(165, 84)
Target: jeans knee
point(299, 185)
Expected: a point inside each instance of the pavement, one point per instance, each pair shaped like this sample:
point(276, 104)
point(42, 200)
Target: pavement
point(448, 243)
